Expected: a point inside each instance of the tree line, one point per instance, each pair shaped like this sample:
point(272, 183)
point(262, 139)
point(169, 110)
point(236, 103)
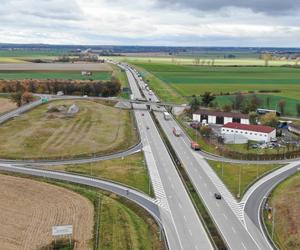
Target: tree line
point(68, 87)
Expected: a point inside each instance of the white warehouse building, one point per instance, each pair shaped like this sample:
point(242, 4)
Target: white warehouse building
point(251, 132)
point(219, 117)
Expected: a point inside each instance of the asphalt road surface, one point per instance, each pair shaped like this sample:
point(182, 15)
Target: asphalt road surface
point(187, 231)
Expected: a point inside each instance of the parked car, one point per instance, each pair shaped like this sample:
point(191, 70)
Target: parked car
point(195, 145)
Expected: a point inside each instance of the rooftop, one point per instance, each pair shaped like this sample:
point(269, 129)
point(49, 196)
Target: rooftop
point(255, 128)
point(220, 113)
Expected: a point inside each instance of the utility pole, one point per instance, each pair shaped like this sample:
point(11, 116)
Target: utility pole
point(273, 221)
point(240, 173)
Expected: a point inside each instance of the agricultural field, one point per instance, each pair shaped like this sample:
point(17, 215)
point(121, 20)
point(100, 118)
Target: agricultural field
point(28, 210)
point(286, 201)
point(6, 105)
point(65, 75)
point(205, 59)
point(130, 170)
point(239, 177)
point(48, 132)
point(178, 82)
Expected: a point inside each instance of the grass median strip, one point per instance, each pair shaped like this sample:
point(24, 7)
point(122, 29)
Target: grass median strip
point(130, 170)
point(238, 177)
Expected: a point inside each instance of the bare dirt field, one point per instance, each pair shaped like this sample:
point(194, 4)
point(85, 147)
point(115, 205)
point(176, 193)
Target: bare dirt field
point(56, 66)
point(29, 209)
point(6, 105)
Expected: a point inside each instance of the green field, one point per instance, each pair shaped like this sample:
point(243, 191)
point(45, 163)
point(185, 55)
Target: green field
point(176, 83)
point(238, 177)
point(65, 75)
point(130, 170)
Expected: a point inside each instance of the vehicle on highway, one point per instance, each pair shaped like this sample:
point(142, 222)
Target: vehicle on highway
point(218, 196)
point(85, 96)
point(195, 145)
point(176, 131)
point(147, 127)
point(167, 116)
point(142, 114)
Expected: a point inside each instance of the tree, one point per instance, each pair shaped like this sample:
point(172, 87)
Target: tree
point(269, 119)
point(238, 100)
point(281, 105)
point(253, 117)
point(195, 103)
point(207, 98)
point(205, 131)
point(255, 102)
point(268, 101)
point(227, 107)
point(27, 97)
point(298, 109)
point(17, 98)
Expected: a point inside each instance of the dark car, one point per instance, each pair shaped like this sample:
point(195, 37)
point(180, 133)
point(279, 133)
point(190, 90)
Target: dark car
point(218, 196)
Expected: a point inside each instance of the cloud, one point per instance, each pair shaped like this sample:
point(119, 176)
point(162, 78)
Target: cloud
point(271, 7)
point(150, 22)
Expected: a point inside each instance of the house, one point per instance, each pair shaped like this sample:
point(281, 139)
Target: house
point(251, 132)
point(219, 117)
point(294, 128)
point(86, 73)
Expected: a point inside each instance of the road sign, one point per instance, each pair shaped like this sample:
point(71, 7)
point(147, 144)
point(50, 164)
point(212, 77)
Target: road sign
point(62, 230)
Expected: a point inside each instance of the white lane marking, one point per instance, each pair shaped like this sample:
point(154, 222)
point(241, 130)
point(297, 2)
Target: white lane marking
point(179, 204)
point(217, 204)
point(184, 218)
point(233, 230)
point(190, 232)
point(225, 217)
point(244, 246)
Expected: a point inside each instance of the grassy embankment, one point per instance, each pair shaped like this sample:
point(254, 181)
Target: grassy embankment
point(188, 80)
point(286, 201)
point(239, 177)
point(95, 129)
point(130, 170)
point(119, 223)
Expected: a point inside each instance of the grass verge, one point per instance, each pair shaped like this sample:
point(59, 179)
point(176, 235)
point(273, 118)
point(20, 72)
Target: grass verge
point(119, 223)
point(285, 198)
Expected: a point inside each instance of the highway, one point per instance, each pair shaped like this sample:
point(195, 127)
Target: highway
point(167, 185)
point(226, 213)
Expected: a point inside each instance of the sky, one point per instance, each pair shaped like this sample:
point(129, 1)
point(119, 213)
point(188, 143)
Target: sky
point(263, 23)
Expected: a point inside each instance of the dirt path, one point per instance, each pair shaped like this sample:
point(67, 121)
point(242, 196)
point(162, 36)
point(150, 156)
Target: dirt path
point(29, 209)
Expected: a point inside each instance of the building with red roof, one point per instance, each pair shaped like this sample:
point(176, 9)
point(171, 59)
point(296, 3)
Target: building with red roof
point(251, 132)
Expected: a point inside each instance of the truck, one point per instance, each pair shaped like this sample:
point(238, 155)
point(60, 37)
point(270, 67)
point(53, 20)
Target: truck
point(195, 145)
point(176, 131)
point(167, 116)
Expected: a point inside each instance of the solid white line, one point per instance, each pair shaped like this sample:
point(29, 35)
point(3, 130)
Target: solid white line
point(244, 246)
point(184, 218)
point(179, 204)
point(233, 230)
point(190, 232)
point(225, 217)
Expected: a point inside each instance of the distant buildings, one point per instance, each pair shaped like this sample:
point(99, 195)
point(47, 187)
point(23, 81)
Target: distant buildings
point(235, 130)
point(294, 128)
point(86, 73)
point(219, 117)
